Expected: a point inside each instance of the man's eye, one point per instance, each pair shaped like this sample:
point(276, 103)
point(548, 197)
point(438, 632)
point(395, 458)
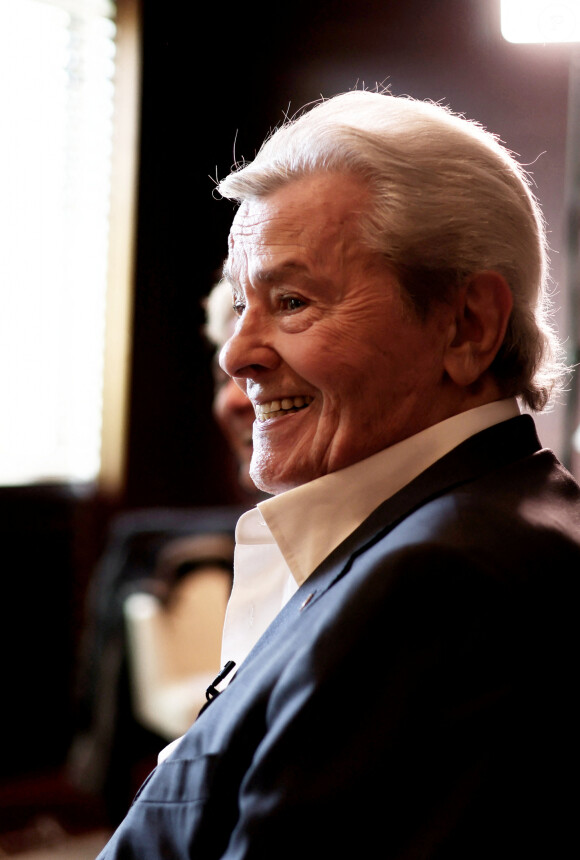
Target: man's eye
point(238, 308)
point(291, 303)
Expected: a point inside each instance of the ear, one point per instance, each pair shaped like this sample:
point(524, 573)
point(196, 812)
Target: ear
point(482, 309)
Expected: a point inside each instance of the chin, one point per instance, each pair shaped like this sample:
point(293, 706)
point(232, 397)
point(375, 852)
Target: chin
point(262, 482)
point(275, 486)
point(274, 474)
point(245, 480)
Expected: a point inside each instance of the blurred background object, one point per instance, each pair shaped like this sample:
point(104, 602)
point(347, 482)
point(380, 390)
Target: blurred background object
point(155, 613)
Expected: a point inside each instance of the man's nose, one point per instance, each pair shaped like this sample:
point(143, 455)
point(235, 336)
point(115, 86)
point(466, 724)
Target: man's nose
point(250, 350)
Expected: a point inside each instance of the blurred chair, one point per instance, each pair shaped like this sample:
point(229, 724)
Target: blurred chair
point(174, 639)
point(156, 609)
point(171, 560)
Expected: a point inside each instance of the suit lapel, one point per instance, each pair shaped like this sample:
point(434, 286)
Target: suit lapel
point(491, 449)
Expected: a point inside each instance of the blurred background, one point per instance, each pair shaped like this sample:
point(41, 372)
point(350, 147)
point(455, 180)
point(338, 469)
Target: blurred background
point(115, 120)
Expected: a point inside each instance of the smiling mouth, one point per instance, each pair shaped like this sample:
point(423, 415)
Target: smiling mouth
point(277, 408)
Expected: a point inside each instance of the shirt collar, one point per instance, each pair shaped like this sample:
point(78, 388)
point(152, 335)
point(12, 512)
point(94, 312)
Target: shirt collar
point(308, 522)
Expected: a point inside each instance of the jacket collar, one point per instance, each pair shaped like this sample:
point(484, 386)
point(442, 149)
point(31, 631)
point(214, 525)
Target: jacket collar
point(488, 450)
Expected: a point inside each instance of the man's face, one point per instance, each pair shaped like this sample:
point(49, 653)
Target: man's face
point(335, 363)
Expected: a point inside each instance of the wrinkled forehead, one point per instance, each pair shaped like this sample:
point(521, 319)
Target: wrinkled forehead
point(306, 222)
point(262, 231)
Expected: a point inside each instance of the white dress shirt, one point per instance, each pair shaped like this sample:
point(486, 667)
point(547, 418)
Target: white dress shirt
point(283, 540)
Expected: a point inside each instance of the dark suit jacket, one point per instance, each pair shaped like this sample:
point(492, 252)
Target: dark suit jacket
point(414, 698)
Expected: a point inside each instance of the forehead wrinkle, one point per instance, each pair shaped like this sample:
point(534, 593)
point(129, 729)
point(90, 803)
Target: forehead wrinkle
point(272, 275)
point(273, 240)
point(277, 274)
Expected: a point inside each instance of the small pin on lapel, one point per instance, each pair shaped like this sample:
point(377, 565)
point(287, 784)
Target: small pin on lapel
point(307, 601)
point(211, 691)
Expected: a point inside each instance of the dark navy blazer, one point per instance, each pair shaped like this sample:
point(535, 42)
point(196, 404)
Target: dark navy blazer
point(413, 700)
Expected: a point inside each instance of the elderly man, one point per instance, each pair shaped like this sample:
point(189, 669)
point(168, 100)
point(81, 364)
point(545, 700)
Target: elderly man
point(401, 616)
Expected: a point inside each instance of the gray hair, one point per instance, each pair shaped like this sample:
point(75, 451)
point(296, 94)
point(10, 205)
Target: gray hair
point(448, 200)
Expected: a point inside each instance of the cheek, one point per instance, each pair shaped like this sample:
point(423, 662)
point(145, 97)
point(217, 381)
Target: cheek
point(325, 356)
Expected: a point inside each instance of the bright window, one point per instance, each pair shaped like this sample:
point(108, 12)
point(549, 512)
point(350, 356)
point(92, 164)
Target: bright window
point(57, 60)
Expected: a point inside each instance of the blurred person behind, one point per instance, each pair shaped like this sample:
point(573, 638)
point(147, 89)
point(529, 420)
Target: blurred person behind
point(174, 635)
point(160, 568)
point(232, 409)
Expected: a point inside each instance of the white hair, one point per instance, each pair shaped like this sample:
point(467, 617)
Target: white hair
point(448, 200)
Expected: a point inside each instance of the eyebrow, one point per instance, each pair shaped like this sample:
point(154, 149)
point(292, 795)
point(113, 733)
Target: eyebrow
point(273, 275)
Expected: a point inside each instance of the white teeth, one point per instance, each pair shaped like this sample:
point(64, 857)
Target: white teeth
point(267, 410)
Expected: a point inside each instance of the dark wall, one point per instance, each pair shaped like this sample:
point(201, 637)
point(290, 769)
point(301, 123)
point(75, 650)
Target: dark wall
point(194, 106)
point(49, 542)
